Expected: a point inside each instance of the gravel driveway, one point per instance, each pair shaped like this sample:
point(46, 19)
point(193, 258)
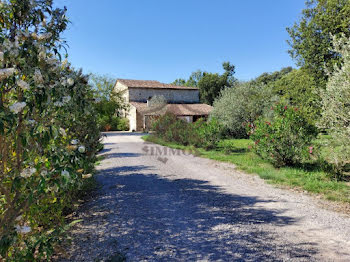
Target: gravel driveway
point(178, 207)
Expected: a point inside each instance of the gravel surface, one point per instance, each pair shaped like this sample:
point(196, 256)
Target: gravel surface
point(178, 207)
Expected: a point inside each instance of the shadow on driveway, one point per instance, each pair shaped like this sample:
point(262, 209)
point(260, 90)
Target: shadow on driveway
point(152, 218)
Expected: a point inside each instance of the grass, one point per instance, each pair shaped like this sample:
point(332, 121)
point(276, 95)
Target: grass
point(238, 152)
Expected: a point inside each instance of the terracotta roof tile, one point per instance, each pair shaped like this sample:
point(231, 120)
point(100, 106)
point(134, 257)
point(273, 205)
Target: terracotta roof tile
point(151, 84)
point(177, 109)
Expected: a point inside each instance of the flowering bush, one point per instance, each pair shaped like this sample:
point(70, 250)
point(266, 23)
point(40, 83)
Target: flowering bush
point(48, 131)
point(284, 140)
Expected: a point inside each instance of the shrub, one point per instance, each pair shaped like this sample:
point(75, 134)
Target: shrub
point(113, 123)
point(161, 125)
point(48, 130)
point(336, 110)
point(206, 133)
point(239, 105)
point(123, 124)
point(284, 140)
point(201, 133)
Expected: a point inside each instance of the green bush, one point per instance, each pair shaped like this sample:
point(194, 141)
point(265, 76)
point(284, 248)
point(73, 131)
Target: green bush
point(202, 133)
point(239, 105)
point(113, 123)
point(206, 133)
point(48, 130)
point(123, 124)
point(285, 140)
point(162, 124)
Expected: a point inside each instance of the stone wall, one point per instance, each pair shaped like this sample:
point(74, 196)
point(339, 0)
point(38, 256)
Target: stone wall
point(120, 88)
point(171, 95)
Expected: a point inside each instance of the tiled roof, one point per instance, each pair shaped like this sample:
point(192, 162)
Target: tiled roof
point(177, 109)
point(151, 84)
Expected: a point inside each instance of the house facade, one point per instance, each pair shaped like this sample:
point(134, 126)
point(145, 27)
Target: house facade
point(181, 101)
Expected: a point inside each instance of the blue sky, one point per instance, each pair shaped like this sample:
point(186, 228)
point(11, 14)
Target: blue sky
point(168, 39)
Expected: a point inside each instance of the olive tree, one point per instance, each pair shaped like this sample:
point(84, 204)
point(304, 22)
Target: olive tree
point(242, 104)
point(336, 107)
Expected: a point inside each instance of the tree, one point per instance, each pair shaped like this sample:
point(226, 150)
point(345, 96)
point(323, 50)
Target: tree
point(192, 80)
point(268, 78)
point(300, 90)
point(336, 108)
point(108, 101)
point(103, 85)
point(310, 38)
point(240, 105)
point(179, 82)
point(211, 84)
point(195, 77)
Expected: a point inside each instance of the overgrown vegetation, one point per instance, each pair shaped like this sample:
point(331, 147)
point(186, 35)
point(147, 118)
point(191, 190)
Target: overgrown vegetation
point(285, 139)
point(108, 104)
point(315, 96)
point(48, 130)
point(201, 133)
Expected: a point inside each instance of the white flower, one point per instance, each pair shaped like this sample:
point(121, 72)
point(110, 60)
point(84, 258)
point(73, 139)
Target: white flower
point(44, 173)
point(38, 78)
point(63, 132)
point(66, 99)
point(65, 174)
point(22, 84)
point(74, 141)
point(44, 36)
point(1, 57)
point(16, 43)
point(42, 55)
point(70, 81)
point(58, 103)
point(23, 229)
point(14, 52)
point(17, 107)
point(6, 72)
point(52, 61)
point(28, 172)
point(63, 81)
point(31, 122)
point(81, 149)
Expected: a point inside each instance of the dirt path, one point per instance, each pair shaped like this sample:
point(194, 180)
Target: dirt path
point(178, 207)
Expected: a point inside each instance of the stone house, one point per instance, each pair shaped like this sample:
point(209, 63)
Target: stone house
point(180, 100)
